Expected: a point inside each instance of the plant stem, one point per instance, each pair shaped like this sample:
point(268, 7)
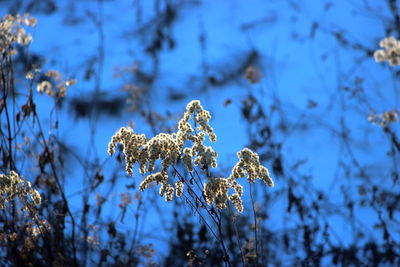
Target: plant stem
point(255, 224)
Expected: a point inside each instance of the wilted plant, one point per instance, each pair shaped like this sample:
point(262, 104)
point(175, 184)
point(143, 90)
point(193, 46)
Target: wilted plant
point(390, 51)
point(61, 84)
point(12, 31)
point(12, 186)
point(187, 145)
point(169, 148)
point(385, 118)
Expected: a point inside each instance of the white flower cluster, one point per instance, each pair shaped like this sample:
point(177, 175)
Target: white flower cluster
point(60, 84)
point(179, 188)
point(160, 178)
point(391, 116)
point(12, 31)
point(249, 164)
point(132, 143)
point(216, 189)
point(390, 51)
point(170, 147)
point(163, 146)
point(13, 185)
point(35, 230)
point(202, 154)
point(45, 87)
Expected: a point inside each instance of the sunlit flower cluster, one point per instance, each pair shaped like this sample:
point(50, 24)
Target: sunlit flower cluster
point(12, 31)
point(385, 118)
point(201, 119)
point(237, 201)
point(61, 84)
point(139, 149)
point(187, 158)
point(206, 157)
point(12, 186)
point(390, 51)
point(216, 189)
point(160, 178)
point(169, 148)
point(132, 144)
point(45, 87)
point(202, 155)
point(249, 165)
point(33, 231)
point(163, 146)
point(179, 188)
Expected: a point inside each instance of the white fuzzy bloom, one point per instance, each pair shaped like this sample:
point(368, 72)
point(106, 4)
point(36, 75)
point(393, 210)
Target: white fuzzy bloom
point(216, 190)
point(237, 201)
point(249, 164)
point(169, 148)
point(45, 87)
point(383, 119)
point(162, 146)
point(158, 177)
point(206, 157)
point(178, 188)
point(390, 51)
point(12, 31)
point(132, 143)
point(13, 185)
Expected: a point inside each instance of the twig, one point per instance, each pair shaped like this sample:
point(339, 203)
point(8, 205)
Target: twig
point(255, 224)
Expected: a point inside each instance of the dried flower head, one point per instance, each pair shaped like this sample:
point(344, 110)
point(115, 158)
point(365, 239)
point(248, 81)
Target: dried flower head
point(30, 21)
point(55, 74)
point(216, 190)
point(132, 144)
point(29, 75)
point(390, 51)
point(252, 74)
point(12, 186)
point(61, 85)
point(169, 148)
point(70, 82)
point(237, 202)
point(45, 87)
point(249, 164)
point(179, 188)
point(391, 116)
point(12, 31)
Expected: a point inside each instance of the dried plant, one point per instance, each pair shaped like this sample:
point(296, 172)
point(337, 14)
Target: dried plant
point(170, 147)
point(12, 31)
point(186, 145)
point(391, 116)
point(12, 186)
point(390, 51)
